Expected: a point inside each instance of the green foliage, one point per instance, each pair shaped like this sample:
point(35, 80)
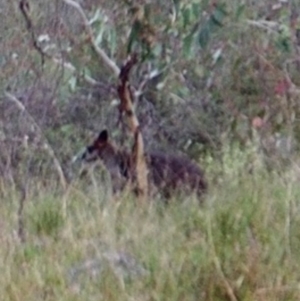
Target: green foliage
point(214, 22)
point(105, 33)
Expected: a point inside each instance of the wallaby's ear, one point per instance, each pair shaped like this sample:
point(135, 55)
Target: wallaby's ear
point(103, 137)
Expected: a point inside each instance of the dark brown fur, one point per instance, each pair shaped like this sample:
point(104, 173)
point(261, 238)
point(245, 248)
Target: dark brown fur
point(168, 174)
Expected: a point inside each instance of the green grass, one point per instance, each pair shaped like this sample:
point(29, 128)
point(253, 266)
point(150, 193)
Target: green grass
point(242, 244)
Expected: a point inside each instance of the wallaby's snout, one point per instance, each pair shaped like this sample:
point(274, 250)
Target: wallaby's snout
point(89, 155)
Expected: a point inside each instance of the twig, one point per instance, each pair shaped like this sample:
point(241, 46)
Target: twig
point(48, 148)
point(111, 64)
point(293, 86)
point(149, 76)
point(71, 68)
point(21, 226)
point(24, 8)
point(278, 289)
point(228, 288)
point(269, 25)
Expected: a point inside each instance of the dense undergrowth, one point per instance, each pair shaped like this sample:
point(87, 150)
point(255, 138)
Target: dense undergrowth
point(242, 244)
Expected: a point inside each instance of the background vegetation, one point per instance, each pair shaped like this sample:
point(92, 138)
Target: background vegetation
point(217, 80)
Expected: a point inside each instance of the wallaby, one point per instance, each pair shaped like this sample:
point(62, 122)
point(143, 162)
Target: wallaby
point(167, 175)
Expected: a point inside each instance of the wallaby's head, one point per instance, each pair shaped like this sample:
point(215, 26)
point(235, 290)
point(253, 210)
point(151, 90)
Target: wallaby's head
point(104, 150)
point(101, 148)
point(116, 161)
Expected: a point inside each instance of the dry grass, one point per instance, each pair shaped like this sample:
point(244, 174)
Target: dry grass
point(243, 244)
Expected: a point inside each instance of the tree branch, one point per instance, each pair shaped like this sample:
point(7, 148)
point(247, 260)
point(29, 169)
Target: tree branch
point(24, 8)
point(126, 106)
point(111, 64)
point(48, 148)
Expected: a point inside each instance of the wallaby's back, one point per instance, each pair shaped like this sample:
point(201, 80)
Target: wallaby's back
point(172, 173)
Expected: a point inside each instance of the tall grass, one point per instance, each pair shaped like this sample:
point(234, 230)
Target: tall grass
point(242, 244)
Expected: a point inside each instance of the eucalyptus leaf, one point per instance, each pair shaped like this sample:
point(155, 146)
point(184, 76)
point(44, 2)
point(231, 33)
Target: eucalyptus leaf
point(196, 9)
point(240, 11)
point(73, 83)
point(204, 35)
point(176, 4)
point(96, 17)
point(112, 41)
point(186, 15)
point(187, 45)
point(219, 14)
point(99, 37)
